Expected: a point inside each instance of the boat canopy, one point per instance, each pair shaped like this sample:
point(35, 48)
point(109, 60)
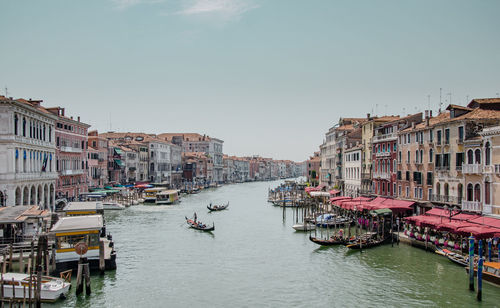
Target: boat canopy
point(78, 223)
point(167, 192)
point(83, 206)
point(319, 194)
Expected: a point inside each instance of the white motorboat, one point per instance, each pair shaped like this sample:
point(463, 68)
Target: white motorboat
point(15, 284)
point(304, 227)
point(110, 205)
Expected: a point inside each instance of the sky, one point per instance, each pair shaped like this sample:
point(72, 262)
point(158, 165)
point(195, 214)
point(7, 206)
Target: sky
point(267, 77)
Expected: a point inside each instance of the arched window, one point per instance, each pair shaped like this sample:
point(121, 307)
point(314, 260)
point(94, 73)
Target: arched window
point(399, 157)
point(487, 154)
point(421, 156)
point(446, 189)
point(408, 159)
point(477, 156)
point(477, 192)
point(431, 155)
point(416, 156)
point(470, 157)
point(24, 127)
point(395, 167)
point(383, 166)
point(469, 192)
point(438, 189)
point(44, 131)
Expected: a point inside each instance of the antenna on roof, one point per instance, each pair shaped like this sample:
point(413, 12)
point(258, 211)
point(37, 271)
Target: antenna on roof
point(376, 109)
point(440, 99)
point(498, 94)
point(7, 92)
point(449, 94)
point(110, 126)
point(428, 102)
point(468, 99)
point(385, 109)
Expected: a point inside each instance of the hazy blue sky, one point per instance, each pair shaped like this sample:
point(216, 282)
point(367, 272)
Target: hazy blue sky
point(267, 77)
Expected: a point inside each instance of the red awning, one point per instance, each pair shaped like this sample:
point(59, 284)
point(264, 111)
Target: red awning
point(440, 212)
point(334, 192)
point(453, 226)
point(487, 221)
point(334, 199)
point(480, 232)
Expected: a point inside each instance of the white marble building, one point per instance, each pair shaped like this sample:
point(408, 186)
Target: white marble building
point(352, 171)
point(27, 154)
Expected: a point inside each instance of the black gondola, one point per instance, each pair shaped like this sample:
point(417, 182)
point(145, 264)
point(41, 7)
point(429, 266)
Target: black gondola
point(213, 208)
point(367, 243)
point(332, 241)
point(199, 226)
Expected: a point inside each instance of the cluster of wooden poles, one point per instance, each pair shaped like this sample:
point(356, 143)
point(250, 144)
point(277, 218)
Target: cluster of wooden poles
point(38, 263)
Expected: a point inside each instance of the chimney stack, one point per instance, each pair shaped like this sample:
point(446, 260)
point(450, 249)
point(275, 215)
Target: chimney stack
point(62, 112)
point(368, 116)
point(78, 118)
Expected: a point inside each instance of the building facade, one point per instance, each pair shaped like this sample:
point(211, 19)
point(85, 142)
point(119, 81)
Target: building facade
point(27, 154)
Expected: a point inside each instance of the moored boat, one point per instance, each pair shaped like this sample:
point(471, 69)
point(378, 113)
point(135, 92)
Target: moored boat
point(150, 194)
point(304, 227)
point(111, 205)
point(167, 197)
point(15, 284)
point(90, 229)
point(332, 241)
point(491, 272)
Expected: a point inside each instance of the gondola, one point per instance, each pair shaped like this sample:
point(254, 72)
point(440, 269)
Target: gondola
point(199, 226)
point(458, 259)
point(367, 243)
point(332, 241)
point(213, 208)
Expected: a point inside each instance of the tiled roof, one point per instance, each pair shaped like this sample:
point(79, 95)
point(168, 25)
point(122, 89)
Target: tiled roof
point(495, 100)
point(185, 136)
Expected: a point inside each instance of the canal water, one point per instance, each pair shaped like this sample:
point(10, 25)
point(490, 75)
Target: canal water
point(254, 259)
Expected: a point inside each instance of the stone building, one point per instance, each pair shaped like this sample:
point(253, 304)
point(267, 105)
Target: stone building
point(71, 155)
point(27, 153)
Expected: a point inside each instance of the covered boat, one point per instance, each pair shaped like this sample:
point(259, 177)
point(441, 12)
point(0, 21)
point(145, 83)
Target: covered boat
point(304, 227)
point(52, 288)
point(491, 272)
point(69, 231)
point(150, 194)
point(167, 197)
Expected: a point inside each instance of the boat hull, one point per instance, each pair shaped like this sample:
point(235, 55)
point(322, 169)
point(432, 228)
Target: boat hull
point(329, 242)
point(302, 227)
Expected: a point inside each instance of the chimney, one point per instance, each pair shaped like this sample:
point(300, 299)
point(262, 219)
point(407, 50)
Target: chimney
point(412, 125)
point(78, 118)
point(62, 112)
point(368, 116)
point(71, 117)
point(427, 121)
point(430, 113)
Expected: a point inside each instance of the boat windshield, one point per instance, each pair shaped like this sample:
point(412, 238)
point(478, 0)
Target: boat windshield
point(69, 241)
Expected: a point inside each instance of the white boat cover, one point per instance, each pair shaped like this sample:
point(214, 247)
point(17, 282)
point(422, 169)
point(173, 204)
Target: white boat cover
point(78, 223)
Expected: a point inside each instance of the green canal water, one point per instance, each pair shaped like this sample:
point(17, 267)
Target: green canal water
point(254, 259)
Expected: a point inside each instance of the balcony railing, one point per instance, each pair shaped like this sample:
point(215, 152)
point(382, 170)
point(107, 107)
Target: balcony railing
point(382, 154)
point(366, 176)
point(443, 168)
point(472, 206)
point(489, 169)
point(446, 199)
point(70, 149)
point(385, 137)
point(472, 168)
point(72, 172)
point(381, 175)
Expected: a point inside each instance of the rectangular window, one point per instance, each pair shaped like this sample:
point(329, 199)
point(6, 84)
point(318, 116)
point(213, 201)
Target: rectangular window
point(461, 133)
point(460, 159)
point(431, 135)
point(439, 132)
point(399, 190)
point(407, 192)
point(447, 136)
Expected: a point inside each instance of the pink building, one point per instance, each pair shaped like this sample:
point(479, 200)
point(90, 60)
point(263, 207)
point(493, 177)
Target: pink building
point(71, 155)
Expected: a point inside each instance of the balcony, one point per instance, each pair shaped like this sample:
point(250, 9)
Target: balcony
point(446, 199)
point(382, 175)
point(67, 149)
point(442, 168)
point(490, 169)
point(366, 176)
point(382, 154)
point(460, 141)
point(472, 206)
point(71, 172)
point(472, 168)
point(392, 136)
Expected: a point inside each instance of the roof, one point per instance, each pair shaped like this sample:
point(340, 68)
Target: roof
point(451, 106)
point(78, 223)
point(19, 213)
point(83, 206)
point(484, 101)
